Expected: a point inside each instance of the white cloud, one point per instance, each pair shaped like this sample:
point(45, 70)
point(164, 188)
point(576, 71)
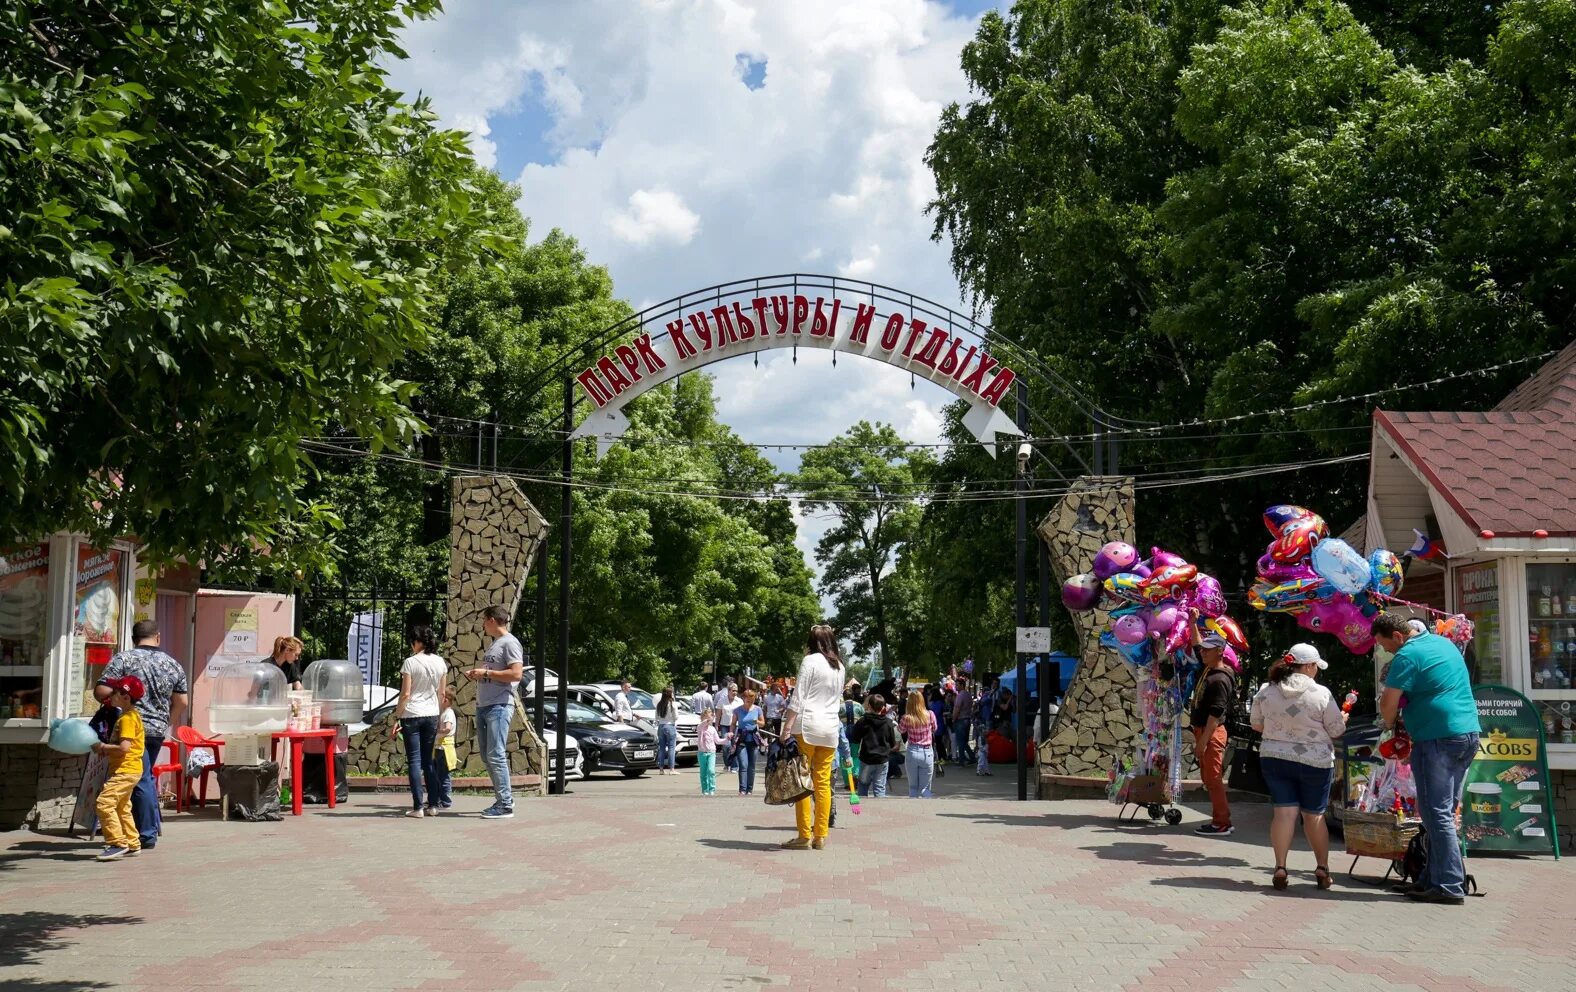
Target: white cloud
point(660, 144)
point(655, 215)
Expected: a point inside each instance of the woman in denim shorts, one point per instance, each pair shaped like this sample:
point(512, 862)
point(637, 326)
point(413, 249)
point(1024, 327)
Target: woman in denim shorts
point(1299, 721)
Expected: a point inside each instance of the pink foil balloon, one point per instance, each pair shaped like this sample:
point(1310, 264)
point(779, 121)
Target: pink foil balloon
point(1130, 629)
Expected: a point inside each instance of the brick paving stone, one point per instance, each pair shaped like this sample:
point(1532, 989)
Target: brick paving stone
point(645, 884)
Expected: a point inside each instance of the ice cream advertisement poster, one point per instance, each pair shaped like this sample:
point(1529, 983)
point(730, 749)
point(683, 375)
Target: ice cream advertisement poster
point(24, 592)
point(1508, 801)
point(98, 596)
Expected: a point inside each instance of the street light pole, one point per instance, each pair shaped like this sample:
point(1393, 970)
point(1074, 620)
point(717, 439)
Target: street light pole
point(1020, 703)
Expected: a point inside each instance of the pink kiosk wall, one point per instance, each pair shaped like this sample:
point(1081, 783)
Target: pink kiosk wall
point(275, 618)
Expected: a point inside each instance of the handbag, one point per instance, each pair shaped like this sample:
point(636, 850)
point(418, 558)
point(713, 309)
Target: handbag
point(787, 774)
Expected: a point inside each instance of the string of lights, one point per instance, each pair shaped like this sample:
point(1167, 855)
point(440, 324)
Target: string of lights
point(785, 492)
point(545, 432)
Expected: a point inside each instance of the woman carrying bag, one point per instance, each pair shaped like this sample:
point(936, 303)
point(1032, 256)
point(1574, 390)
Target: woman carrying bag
point(814, 716)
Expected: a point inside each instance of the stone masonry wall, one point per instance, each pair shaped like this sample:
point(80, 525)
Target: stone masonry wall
point(38, 786)
point(493, 542)
point(1098, 721)
point(1565, 809)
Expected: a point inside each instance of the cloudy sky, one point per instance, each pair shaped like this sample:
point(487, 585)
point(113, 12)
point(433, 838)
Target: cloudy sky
point(691, 142)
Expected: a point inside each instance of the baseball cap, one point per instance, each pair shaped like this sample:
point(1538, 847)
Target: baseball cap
point(1212, 640)
point(1306, 654)
point(129, 684)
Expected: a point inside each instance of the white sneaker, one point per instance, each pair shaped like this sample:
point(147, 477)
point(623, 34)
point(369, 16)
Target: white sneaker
point(415, 814)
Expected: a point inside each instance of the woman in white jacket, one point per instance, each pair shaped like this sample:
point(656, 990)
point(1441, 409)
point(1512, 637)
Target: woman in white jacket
point(815, 717)
point(1299, 721)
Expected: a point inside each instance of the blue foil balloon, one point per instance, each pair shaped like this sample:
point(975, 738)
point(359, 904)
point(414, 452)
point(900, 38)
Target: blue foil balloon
point(1341, 565)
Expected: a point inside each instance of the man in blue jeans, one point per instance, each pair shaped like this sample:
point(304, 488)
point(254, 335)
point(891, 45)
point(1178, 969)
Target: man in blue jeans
point(162, 706)
point(503, 666)
point(1442, 719)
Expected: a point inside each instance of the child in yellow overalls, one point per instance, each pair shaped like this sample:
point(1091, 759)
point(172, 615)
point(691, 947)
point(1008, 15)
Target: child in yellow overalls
point(124, 755)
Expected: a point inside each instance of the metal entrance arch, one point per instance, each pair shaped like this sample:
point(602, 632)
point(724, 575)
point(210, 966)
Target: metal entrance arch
point(790, 311)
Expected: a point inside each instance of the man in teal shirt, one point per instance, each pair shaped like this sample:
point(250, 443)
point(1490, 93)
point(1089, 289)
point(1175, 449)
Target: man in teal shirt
point(1442, 719)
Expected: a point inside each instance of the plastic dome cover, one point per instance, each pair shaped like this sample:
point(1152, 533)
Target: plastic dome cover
point(336, 684)
point(250, 697)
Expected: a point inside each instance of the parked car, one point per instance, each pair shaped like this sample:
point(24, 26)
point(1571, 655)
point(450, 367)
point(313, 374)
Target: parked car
point(605, 744)
point(643, 704)
point(528, 682)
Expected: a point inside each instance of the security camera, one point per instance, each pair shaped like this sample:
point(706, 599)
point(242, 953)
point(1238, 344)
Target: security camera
point(1024, 451)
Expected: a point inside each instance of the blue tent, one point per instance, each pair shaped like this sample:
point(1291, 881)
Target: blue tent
point(1068, 663)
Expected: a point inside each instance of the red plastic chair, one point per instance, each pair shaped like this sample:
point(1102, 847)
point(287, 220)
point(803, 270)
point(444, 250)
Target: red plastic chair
point(173, 769)
point(191, 738)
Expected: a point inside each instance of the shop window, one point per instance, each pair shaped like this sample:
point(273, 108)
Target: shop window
point(24, 630)
point(1477, 596)
point(1551, 633)
point(96, 623)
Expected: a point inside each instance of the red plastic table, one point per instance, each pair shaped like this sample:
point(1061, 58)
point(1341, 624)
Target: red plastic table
point(327, 734)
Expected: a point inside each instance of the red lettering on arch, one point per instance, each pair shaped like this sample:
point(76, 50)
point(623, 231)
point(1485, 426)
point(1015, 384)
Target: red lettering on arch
point(597, 392)
point(780, 309)
point(611, 373)
point(648, 355)
point(999, 386)
point(820, 327)
point(916, 330)
point(928, 354)
point(701, 325)
point(860, 332)
point(681, 344)
point(949, 364)
point(630, 361)
point(746, 326)
point(976, 379)
point(726, 334)
point(801, 312)
point(963, 366)
point(893, 332)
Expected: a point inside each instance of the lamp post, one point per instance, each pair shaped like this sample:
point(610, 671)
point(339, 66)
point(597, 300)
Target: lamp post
point(1022, 501)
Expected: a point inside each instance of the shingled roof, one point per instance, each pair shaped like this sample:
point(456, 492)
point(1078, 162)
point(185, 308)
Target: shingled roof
point(1508, 471)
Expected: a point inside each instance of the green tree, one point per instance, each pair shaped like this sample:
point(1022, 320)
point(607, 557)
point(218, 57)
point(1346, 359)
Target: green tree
point(203, 263)
point(870, 482)
point(1188, 209)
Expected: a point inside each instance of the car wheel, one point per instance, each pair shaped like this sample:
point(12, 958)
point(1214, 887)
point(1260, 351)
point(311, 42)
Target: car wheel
point(634, 772)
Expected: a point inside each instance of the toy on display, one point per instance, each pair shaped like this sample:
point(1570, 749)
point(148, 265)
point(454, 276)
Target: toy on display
point(1159, 606)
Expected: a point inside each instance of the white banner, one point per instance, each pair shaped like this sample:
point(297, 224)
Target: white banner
point(365, 645)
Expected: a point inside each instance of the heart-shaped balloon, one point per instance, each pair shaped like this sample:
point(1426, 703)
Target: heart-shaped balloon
point(1208, 598)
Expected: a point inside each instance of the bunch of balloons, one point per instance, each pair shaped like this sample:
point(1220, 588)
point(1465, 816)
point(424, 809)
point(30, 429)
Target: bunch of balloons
point(1324, 582)
point(1152, 602)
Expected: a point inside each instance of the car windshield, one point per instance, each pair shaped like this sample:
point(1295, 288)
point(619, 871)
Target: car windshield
point(640, 699)
point(579, 713)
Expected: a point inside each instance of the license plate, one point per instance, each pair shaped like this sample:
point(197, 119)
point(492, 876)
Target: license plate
point(645, 754)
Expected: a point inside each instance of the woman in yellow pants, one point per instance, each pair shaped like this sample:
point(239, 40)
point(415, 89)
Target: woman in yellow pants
point(813, 716)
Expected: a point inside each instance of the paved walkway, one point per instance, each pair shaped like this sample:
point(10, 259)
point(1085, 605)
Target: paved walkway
point(645, 885)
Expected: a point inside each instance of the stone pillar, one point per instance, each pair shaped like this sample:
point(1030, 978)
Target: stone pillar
point(1098, 722)
point(492, 544)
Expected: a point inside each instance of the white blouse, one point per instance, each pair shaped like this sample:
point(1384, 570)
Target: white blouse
point(818, 699)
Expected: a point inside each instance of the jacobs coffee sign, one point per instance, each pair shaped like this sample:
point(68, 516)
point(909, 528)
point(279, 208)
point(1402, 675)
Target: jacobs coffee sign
point(1507, 805)
point(751, 324)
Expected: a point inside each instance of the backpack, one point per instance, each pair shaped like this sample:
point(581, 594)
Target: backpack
point(1415, 861)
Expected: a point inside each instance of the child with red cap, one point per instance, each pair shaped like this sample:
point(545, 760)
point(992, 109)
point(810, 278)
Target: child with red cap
point(124, 755)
